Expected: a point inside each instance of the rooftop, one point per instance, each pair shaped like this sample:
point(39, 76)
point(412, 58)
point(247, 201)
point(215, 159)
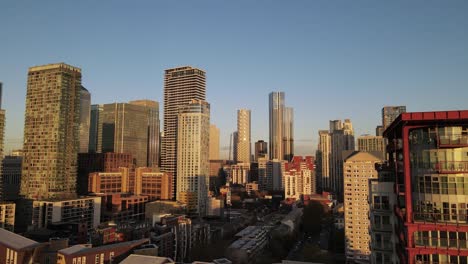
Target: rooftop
point(139, 259)
point(85, 249)
point(426, 117)
point(15, 241)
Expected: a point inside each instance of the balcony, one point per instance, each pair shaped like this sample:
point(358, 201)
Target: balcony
point(450, 167)
point(451, 141)
point(437, 217)
point(440, 243)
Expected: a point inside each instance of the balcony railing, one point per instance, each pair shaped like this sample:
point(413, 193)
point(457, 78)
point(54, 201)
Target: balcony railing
point(445, 166)
point(453, 141)
point(451, 166)
point(441, 243)
point(440, 218)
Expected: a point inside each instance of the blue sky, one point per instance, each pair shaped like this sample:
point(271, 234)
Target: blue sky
point(333, 59)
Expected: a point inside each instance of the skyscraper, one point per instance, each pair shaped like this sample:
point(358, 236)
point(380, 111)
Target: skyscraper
point(214, 142)
point(261, 149)
point(288, 136)
point(1, 92)
point(323, 157)
point(85, 111)
point(95, 137)
point(181, 85)
point(121, 129)
point(342, 138)
point(358, 168)
point(2, 135)
point(192, 155)
point(390, 113)
point(276, 109)
point(153, 148)
point(51, 131)
point(243, 136)
point(235, 141)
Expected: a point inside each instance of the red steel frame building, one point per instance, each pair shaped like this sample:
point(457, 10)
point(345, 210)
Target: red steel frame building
point(425, 149)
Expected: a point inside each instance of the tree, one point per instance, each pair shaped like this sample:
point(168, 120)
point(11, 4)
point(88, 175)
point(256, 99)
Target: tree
point(312, 217)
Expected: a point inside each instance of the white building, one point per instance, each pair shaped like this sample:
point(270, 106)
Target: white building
point(192, 156)
point(81, 210)
point(358, 168)
point(239, 173)
point(297, 183)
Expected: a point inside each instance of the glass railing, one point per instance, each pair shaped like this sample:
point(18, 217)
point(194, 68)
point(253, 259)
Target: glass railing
point(439, 217)
point(441, 243)
point(444, 166)
point(453, 140)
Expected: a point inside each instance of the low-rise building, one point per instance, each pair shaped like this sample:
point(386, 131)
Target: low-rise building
point(215, 207)
point(250, 243)
point(153, 183)
point(16, 249)
point(7, 216)
point(140, 259)
point(157, 208)
point(85, 210)
point(86, 254)
point(251, 187)
point(123, 207)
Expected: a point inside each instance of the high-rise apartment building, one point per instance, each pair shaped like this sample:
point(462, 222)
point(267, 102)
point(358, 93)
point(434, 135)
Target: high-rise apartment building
point(214, 142)
point(181, 85)
point(288, 136)
point(51, 131)
point(358, 168)
point(428, 157)
point(271, 174)
point(276, 109)
point(369, 143)
point(243, 136)
point(192, 155)
point(323, 157)
point(261, 149)
point(300, 177)
point(342, 138)
point(390, 113)
point(85, 112)
point(239, 173)
point(382, 200)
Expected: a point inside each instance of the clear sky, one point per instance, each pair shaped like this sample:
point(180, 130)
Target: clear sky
point(333, 59)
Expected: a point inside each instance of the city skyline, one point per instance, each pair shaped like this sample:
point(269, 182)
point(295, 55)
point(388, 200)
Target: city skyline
point(311, 67)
